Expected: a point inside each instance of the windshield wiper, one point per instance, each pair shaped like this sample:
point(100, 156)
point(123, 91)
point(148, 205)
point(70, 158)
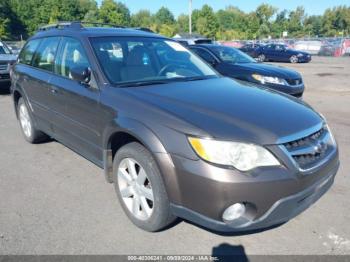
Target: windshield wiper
point(164, 81)
point(142, 83)
point(196, 78)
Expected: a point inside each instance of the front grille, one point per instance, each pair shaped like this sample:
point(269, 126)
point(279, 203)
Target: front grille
point(3, 66)
point(4, 76)
point(309, 151)
point(294, 82)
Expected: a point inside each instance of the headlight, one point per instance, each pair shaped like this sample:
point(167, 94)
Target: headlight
point(269, 79)
point(239, 155)
point(300, 55)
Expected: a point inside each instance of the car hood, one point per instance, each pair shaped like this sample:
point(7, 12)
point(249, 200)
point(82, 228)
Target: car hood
point(224, 109)
point(7, 57)
point(267, 70)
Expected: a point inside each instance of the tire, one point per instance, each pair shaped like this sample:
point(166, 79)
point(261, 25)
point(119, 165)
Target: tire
point(136, 189)
point(294, 59)
point(261, 58)
point(30, 133)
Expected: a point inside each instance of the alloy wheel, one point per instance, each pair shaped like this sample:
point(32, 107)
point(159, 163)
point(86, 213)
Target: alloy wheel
point(135, 189)
point(294, 59)
point(25, 121)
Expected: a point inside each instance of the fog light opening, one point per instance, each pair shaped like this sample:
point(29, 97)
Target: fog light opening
point(234, 212)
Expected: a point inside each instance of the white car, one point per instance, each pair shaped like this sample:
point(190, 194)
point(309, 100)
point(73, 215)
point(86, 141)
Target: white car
point(312, 47)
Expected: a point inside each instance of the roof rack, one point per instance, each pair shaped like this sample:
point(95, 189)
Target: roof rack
point(75, 25)
point(145, 29)
point(83, 24)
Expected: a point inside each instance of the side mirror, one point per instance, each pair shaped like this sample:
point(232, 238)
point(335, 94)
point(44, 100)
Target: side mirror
point(81, 74)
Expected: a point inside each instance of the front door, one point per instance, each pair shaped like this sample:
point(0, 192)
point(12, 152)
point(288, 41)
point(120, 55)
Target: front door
point(78, 103)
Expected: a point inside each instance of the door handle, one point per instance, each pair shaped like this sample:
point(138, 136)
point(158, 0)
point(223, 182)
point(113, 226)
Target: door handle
point(53, 90)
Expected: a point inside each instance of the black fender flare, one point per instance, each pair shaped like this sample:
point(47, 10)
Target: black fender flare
point(150, 140)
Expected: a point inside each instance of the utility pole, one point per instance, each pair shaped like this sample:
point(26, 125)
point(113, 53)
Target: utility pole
point(190, 16)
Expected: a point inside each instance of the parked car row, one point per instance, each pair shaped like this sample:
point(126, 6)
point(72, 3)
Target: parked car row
point(315, 46)
point(233, 63)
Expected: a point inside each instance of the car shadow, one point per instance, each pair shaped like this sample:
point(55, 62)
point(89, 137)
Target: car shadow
point(5, 89)
point(228, 253)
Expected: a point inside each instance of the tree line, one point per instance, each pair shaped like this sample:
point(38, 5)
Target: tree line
point(23, 17)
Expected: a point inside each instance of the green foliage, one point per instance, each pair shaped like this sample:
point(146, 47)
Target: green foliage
point(23, 17)
point(183, 23)
point(296, 21)
point(335, 21)
point(114, 13)
point(167, 30)
point(164, 16)
point(264, 12)
point(205, 21)
point(142, 18)
point(4, 20)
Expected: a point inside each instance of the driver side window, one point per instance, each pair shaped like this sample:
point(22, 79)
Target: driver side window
point(72, 55)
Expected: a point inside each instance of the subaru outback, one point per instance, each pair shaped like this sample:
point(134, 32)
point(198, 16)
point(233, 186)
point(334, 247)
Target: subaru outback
point(175, 138)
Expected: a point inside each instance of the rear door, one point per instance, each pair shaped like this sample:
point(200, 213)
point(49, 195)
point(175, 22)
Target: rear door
point(36, 66)
point(280, 53)
point(77, 103)
point(269, 52)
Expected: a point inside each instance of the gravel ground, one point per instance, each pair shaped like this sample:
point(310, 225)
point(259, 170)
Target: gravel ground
point(55, 202)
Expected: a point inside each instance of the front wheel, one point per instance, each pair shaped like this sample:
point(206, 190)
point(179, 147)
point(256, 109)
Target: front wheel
point(294, 59)
point(30, 133)
point(140, 189)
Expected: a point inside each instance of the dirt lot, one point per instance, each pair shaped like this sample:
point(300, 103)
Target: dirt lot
point(55, 202)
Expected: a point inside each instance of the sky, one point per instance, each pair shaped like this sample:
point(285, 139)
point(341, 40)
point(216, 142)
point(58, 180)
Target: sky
point(312, 7)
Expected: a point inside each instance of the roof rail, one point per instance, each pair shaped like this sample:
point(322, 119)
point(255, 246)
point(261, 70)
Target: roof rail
point(83, 24)
point(58, 25)
point(75, 25)
point(145, 29)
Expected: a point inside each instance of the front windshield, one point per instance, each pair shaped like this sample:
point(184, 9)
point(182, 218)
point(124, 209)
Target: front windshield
point(142, 59)
point(232, 55)
point(4, 49)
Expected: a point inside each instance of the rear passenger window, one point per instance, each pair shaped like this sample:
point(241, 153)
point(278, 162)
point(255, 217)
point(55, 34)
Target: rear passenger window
point(28, 51)
point(45, 55)
point(204, 55)
point(72, 55)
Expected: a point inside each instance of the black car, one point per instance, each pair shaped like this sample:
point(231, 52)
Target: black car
point(175, 138)
point(281, 53)
point(233, 63)
point(251, 49)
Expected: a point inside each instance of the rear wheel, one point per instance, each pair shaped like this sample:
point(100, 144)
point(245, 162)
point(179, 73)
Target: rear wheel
point(294, 59)
point(30, 133)
point(140, 189)
point(261, 58)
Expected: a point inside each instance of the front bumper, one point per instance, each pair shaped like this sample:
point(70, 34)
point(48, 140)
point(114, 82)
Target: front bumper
point(278, 194)
point(294, 90)
point(304, 59)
